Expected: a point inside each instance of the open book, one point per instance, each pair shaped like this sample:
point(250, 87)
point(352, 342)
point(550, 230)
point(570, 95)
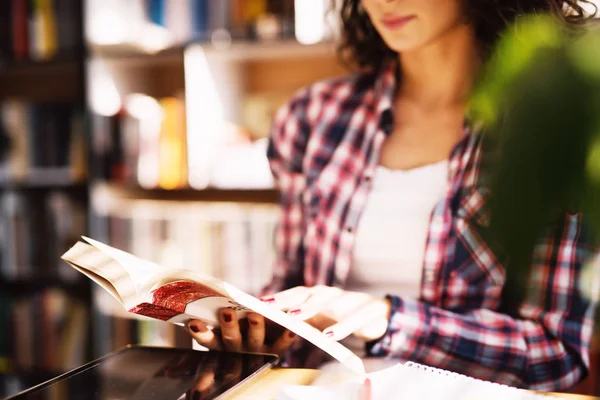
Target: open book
point(178, 295)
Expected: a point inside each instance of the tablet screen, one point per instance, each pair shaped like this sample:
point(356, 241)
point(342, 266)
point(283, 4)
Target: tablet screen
point(153, 373)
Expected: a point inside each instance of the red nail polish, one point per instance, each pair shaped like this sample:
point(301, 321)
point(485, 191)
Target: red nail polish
point(329, 333)
point(269, 300)
point(291, 335)
point(194, 328)
point(252, 322)
point(227, 317)
point(295, 312)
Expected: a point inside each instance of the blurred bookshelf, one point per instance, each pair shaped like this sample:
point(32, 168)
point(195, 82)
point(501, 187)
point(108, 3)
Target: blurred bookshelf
point(44, 307)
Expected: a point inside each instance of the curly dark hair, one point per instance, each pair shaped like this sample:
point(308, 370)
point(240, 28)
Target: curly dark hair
point(362, 46)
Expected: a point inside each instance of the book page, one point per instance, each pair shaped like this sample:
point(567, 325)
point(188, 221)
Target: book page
point(103, 270)
point(141, 272)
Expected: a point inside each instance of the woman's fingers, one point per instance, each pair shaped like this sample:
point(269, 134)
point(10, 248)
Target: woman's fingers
point(369, 322)
point(319, 300)
point(230, 330)
point(283, 343)
point(204, 336)
point(256, 333)
point(288, 298)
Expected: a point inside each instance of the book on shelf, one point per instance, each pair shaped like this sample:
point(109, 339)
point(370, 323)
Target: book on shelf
point(46, 330)
point(43, 138)
point(144, 144)
point(178, 22)
point(34, 231)
point(178, 295)
point(39, 30)
point(230, 242)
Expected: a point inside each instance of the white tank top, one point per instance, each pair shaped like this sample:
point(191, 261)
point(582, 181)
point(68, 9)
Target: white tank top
point(392, 231)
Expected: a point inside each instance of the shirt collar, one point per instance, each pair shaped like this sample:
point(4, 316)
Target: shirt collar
point(385, 87)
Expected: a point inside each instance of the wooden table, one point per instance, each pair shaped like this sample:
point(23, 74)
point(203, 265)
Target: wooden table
point(268, 385)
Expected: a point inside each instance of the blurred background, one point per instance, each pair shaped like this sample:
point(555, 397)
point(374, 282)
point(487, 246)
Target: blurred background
point(143, 124)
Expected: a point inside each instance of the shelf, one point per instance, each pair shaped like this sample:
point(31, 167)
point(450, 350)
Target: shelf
point(50, 177)
point(126, 55)
point(264, 51)
point(23, 286)
point(64, 63)
point(186, 195)
point(243, 50)
point(57, 80)
point(120, 200)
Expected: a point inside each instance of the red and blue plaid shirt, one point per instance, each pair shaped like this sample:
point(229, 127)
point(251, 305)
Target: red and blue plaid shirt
point(323, 152)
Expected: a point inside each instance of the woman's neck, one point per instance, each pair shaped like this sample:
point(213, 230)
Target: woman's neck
point(442, 73)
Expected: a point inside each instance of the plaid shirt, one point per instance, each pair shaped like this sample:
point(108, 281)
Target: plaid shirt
point(323, 152)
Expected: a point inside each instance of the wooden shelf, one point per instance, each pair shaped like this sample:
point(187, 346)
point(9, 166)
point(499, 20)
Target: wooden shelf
point(242, 50)
point(207, 195)
point(265, 51)
point(63, 63)
point(56, 80)
point(124, 55)
point(25, 286)
point(120, 200)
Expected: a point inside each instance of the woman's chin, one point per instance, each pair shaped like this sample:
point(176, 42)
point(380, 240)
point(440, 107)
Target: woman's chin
point(405, 45)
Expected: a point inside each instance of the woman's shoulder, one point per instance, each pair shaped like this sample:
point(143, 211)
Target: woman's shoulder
point(347, 91)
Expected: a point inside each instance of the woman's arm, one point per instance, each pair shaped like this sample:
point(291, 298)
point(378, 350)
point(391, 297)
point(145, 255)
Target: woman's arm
point(286, 150)
point(545, 349)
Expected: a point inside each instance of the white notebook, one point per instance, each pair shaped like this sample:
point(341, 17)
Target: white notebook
point(410, 381)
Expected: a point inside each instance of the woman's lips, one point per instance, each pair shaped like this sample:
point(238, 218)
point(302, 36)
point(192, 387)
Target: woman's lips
point(396, 22)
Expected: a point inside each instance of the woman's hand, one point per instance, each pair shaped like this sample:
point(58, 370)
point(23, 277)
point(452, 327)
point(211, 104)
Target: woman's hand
point(336, 312)
point(253, 335)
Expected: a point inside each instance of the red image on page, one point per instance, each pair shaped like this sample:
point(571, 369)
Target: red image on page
point(171, 299)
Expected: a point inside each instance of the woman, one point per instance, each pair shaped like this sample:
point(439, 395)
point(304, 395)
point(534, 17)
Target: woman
point(380, 232)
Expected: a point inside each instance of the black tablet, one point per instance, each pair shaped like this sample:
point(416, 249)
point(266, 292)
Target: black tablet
point(137, 372)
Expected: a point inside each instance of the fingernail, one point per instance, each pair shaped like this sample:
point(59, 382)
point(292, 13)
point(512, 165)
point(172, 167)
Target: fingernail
point(269, 300)
point(295, 312)
point(253, 322)
point(196, 328)
point(291, 335)
point(227, 316)
point(329, 334)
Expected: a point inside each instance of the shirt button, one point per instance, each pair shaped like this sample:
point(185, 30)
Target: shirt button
point(349, 229)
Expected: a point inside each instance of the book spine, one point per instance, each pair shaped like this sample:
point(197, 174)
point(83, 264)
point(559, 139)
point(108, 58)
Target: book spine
point(6, 321)
point(45, 20)
point(68, 26)
point(199, 13)
point(156, 12)
point(219, 15)
point(20, 29)
point(172, 150)
point(6, 47)
point(178, 20)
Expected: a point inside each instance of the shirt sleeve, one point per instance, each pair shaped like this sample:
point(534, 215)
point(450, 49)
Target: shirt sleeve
point(286, 149)
point(546, 347)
